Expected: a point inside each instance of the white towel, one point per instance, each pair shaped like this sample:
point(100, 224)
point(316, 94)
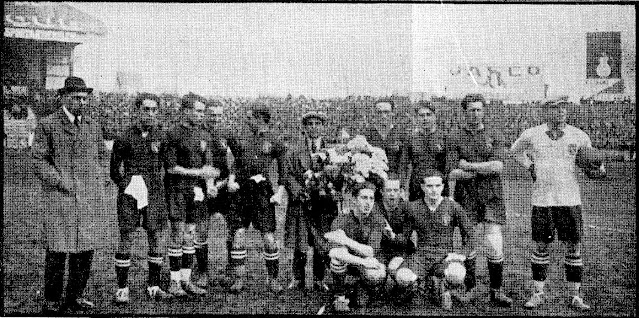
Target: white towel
point(138, 190)
point(199, 194)
point(258, 178)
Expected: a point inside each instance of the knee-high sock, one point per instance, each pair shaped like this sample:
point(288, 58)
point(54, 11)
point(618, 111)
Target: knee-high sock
point(574, 267)
point(202, 255)
point(54, 275)
point(299, 265)
point(187, 262)
point(238, 260)
point(470, 281)
point(495, 270)
point(338, 270)
point(175, 262)
point(122, 265)
point(79, 271)
point(155, 267)
point(539, 262)
point(272, 259)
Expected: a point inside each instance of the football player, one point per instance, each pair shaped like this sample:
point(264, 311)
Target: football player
point(426, 148)
point(549, 151)
point(219, 200)
point(356, 236)
point(193, 161)
point(136, 168)
point(384, 133)
point(254, 148)
point(475, 162)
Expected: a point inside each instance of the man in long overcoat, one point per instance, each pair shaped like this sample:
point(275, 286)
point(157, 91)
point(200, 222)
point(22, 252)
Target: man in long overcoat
point(68, 151)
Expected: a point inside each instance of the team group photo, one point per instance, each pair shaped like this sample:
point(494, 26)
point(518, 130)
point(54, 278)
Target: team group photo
point(319, 159)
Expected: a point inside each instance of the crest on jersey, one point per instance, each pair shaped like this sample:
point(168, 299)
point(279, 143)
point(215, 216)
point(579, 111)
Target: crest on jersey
point(267, 147)
point(203, 145)
point(489, 143)
point(155, 146)
point(572, 149)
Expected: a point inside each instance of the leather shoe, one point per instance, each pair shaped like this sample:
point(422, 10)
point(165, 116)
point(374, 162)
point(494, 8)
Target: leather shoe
point(79, 304)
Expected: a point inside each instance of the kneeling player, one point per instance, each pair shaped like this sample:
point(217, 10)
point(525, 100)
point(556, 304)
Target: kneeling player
point(357, 236)
point(434, 219)
point(136, 170)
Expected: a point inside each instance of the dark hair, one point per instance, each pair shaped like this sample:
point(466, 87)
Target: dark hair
point(428, 173)
point(189, 100)
point(144, 96)
point(472, 98)
point(260, 110)
point(424, 104)
point(389, 101)
point(364, 185)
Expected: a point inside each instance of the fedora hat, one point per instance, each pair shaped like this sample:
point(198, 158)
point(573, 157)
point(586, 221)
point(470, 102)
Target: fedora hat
point(74, 84)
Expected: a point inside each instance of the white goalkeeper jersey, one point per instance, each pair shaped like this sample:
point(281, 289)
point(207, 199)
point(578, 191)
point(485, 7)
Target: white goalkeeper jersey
point(554, 160)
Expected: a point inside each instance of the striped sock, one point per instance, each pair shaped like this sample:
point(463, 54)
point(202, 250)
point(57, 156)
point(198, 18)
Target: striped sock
point(155, 266)
point(175, 262)
point(187, 262)
point(238, 257)
point(574, 267)
point(495, 270)
point(122, 265)
point(539, 264)
point(272, 260)
point(338, 269)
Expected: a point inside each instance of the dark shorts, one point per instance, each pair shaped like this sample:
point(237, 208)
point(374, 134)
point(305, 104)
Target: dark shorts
point(251, 205)
point(219, 204)
point(565, 219)
point(130, 218)
point(424, 264)
point(184, 208)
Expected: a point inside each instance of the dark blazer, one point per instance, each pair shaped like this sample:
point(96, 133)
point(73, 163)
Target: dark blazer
point(299, 220)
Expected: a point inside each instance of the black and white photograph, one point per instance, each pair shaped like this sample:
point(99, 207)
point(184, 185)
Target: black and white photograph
point(442, 158)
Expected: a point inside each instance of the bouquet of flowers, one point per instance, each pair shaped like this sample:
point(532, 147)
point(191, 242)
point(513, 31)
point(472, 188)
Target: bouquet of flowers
point(338, 170)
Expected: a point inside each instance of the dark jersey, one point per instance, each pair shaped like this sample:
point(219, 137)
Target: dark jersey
point(136, 154)
point(425, 151)
point(254, 153)
point(367, 230)
point(435, 229)
point(192, 148)
point(477, 146)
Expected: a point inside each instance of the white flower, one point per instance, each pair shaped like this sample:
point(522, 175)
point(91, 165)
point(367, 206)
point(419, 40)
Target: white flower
point(360, 158)
point(358, 144)
point(332, 153)
point(358, 178)
point(378, 164)
point(321, 155)
point(308, 174)
point(379, 153)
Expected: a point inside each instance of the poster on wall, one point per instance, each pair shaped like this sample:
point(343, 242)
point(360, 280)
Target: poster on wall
point(603, 62)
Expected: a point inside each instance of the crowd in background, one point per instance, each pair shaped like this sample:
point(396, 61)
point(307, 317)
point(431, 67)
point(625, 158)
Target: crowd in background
point(610, 125)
